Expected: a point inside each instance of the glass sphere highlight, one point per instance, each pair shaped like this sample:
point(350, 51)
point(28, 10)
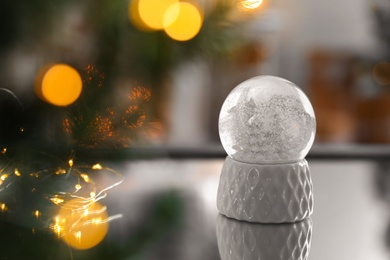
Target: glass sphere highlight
point(267, 119)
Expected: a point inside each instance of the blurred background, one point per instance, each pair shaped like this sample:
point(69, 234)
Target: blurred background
point(146, 85)
point(137, 85)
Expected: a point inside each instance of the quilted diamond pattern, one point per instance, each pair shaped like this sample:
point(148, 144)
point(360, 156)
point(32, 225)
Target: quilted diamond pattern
point(268, 193)
point(239, 240)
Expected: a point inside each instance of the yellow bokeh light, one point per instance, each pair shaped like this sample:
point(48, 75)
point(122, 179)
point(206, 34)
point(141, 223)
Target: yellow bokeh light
point(182, 21)
point(381, 73)
point(152, 12)
point(81, 224)
point(251, 4)
point(59, 85)
point(135, 18)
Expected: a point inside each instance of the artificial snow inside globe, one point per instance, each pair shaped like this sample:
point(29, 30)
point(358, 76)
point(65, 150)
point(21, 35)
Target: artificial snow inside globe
point(267, 119)
point(267, 126)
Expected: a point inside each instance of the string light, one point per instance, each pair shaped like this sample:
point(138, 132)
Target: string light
point(37, 213)
point(85, 177)
point(57, 200)
point(97, 167)
point(82, 222)
point(4, 151)
point(16, 172)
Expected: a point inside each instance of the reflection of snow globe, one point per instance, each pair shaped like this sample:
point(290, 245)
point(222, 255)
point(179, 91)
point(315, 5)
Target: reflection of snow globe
point(253, 241)
point(267, 126)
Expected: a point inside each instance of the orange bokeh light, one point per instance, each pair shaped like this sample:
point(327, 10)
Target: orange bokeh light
point(59, 85)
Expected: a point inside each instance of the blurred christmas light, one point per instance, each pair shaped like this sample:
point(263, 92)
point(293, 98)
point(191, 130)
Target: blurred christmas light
point(135, 18)
point(97, 167)
point(4, 151)
point(93, 75)
point(85, 177)
point(118, 125)
point(81, 221)
point(134, 117)
point(16, 172)
point(67, 126)
point(251, 4)
point(81, 224)
point(152, 12)
point(57, 200)
point(381, 73)
point(37, 213)
point(104, 127)
point(4, 176)
point(139, 94)
point(182, 21)
point(59, 85)
point(60, 171)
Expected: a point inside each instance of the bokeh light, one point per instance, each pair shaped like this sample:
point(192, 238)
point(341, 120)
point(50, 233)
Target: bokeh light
point(251, 4)
point(152, 12)
point(187, 23)
point(135, 17)
point(59, 85)
point(381, 73)
point(82, 224)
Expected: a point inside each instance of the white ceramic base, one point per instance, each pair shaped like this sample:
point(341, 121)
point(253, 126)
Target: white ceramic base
point(249, 241)
point(265, 193)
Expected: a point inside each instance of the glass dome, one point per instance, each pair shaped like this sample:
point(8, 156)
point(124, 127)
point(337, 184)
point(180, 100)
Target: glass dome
point(267, 119)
